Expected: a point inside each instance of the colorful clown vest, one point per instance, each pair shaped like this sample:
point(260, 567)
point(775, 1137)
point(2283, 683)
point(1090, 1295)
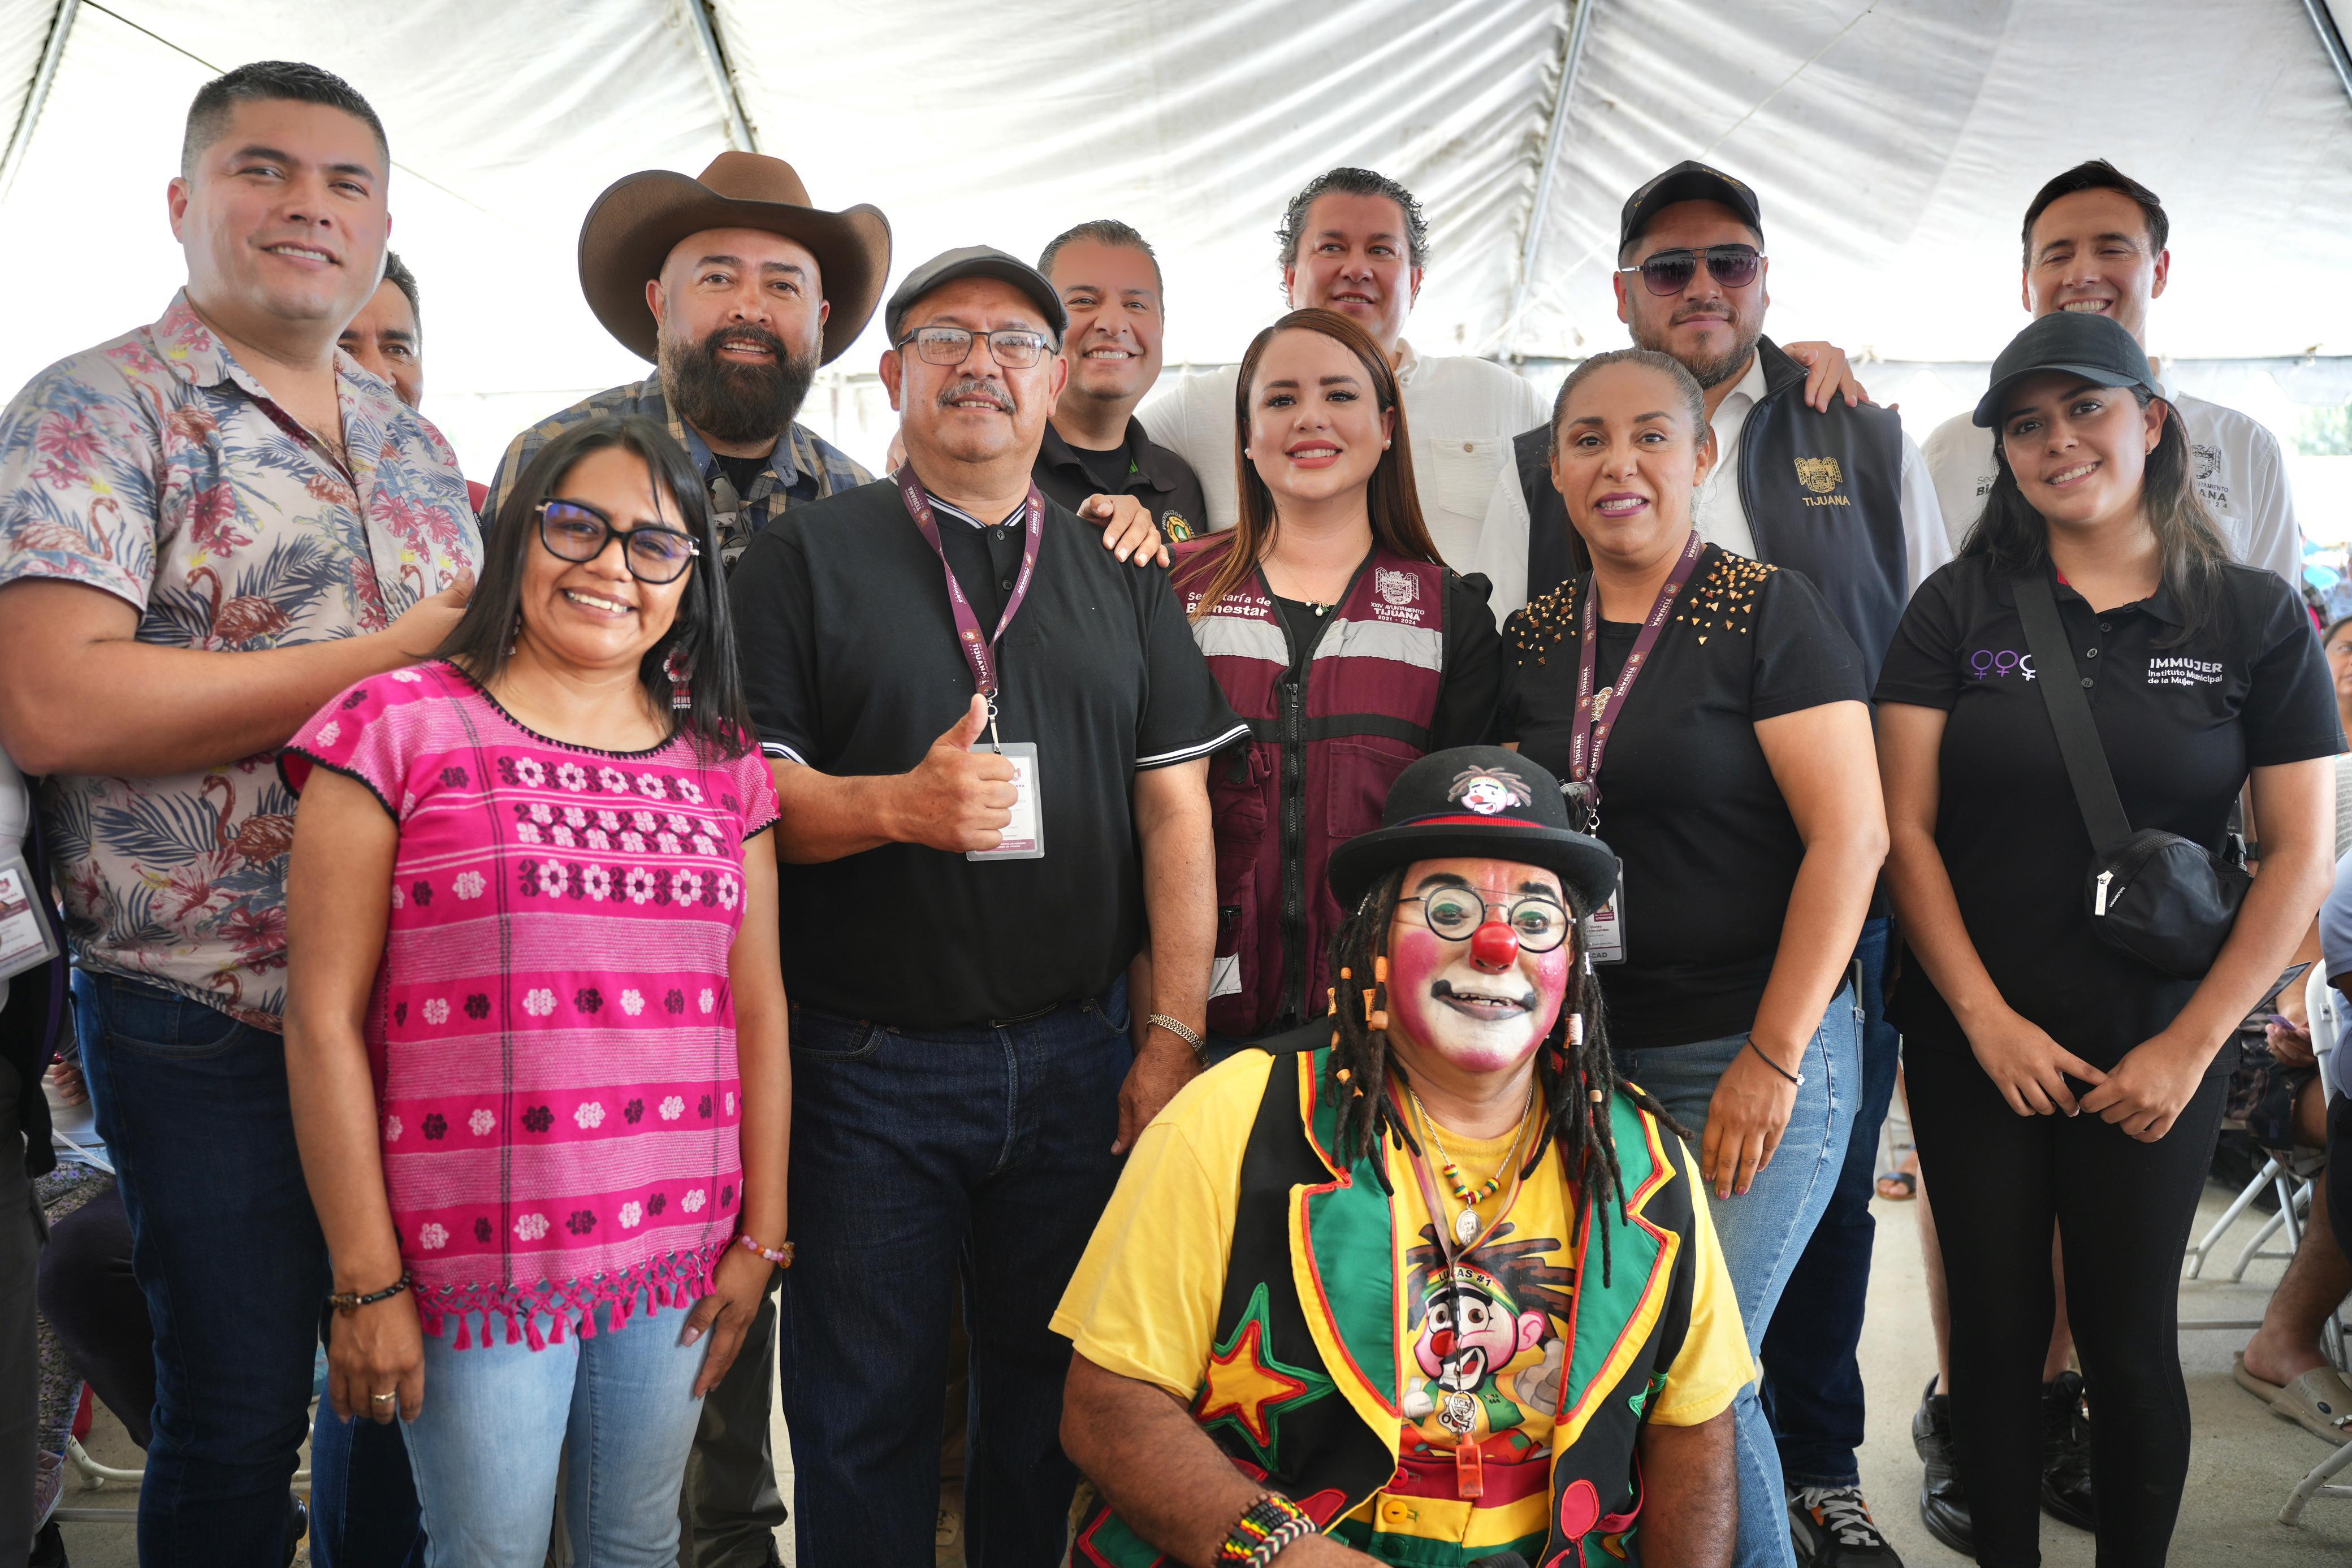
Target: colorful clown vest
point(1316, 769)
point(1310, 1384)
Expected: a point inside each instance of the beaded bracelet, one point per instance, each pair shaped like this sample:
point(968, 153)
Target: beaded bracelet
point(781, 1256)
point(348, 1301)
point(1265, 1528)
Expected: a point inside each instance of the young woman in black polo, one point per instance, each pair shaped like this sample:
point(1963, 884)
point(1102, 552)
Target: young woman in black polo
point(1712, 717)
point(2053, 1077)
point(1337, 632)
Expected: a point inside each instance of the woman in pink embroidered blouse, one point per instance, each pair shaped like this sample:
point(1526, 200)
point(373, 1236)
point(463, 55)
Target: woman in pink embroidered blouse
point(535, 1029)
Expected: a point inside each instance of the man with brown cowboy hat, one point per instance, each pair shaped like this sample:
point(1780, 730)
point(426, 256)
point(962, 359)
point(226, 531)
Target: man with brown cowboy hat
point(737, 288)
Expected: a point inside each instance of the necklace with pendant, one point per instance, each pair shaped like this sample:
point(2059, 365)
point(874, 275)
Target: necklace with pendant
point(1468, 1224)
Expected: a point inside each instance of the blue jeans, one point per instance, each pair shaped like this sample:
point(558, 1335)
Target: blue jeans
point(988, 1145)
point(1812, 1382)
point(1763, 1231)
point(226, 1250)
point(498, 1419)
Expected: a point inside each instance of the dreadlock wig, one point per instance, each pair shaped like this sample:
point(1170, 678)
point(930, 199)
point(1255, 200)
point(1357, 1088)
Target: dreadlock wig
point(1575, 1076)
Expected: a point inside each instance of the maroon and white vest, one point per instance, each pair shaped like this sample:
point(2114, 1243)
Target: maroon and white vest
point(1316, 769)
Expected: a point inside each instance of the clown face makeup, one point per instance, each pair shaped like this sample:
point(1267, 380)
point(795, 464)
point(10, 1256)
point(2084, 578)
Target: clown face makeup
point(1471, 1009)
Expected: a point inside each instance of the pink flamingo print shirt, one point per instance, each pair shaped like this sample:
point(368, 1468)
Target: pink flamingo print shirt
point(156, 468)
point(552, 1033)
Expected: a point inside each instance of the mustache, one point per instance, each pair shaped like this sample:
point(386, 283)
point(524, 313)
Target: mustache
point(746, 333)
point(1445, 988)
point(998, 397)
point(1702, 308)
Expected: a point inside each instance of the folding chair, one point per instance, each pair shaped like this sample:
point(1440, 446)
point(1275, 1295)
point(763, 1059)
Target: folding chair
point(2319, 1482)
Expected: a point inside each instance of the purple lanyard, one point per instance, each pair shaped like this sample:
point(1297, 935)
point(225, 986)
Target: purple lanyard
point(1590, 737)
point(978, 652)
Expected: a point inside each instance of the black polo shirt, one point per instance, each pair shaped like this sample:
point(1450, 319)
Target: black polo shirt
point(2181, 721)
point(850, 665)
point(1142, 468)
point(1687, 801)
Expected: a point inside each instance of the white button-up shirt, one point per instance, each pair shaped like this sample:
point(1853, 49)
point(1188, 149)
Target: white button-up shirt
point(1460, 414)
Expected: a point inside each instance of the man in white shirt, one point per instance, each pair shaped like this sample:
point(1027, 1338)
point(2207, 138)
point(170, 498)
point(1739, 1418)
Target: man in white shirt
point(1355, 242)
point(2095, 241)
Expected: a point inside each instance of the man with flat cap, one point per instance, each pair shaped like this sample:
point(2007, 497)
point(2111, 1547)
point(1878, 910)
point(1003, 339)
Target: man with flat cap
point(737, 289)
point(993, 740)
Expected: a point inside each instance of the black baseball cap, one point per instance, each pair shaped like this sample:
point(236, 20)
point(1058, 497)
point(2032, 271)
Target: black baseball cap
point(974, 261)
point(1475, 800)
point(2096, 348)
point(1687, 182)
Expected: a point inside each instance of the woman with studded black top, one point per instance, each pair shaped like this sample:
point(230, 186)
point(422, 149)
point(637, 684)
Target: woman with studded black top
point(1736, 785)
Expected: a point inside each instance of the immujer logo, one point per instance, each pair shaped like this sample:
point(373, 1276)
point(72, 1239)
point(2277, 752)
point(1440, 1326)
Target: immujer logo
point(2177, 672)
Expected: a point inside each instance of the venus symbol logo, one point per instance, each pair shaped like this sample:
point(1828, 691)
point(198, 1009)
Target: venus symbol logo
point(2004, 662)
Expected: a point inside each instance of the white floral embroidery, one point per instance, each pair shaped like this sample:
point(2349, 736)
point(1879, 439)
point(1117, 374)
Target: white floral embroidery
point(437, 1011)
point(540, 811)
point(572, 776)
point(643, 821)
point(730, 891)
point(596, 880)
point(481, 1122)
point(633, 1002)
point(407, 802)
point(671, 1108)
point(598, 839)
point(640, 885)
point(710, 999)
point(539, 1003)
point(574, 817)
point(650, 786)
point(526, 832)
point(529, 771)
point(692, 1201)
point(467, 885)
point(630, 1213)
point(613, 778)
point(704, 845)
point(730, 1102)
point(633, 843)
point(689, 791)
point(676, 824)
point(331, 733)
point(407, 677)
point(552, 878)
point(531, 1227)
point(609, 820)
point(399, 899)
point(590, 1114)
point(686, 886)
point(666, 843)
point(392, 1129)
point(432, 1236)
point(560, 837)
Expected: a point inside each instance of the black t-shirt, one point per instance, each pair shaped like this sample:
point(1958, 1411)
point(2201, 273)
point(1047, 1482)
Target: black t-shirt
point(1472, 650)
point(1687, 801)
point(850, 665)
point(1141, 467)
point(2180, 724)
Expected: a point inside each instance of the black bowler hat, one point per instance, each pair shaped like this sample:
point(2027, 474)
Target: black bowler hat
point(1475, 800)
point(1687, 182)
point(974, 261)
point(2082, 343)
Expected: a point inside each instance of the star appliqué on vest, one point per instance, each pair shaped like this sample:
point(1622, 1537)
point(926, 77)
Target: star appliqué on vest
point(1247, 1389)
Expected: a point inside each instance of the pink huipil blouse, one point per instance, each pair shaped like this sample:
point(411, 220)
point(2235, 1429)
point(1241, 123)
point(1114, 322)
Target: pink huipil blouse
point(552, 1031)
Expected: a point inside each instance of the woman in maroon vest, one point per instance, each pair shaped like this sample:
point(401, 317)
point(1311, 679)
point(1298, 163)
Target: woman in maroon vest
point(1337, 632)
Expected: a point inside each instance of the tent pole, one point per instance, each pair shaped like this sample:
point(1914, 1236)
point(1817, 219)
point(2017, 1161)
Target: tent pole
point(2332, 41)
point(20, 140)
point(722, 79)
point(1553, 135)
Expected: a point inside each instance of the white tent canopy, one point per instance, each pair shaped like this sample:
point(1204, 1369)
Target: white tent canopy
point(1893, 145)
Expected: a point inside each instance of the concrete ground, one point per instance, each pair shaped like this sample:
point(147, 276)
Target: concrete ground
point(2242, 1466)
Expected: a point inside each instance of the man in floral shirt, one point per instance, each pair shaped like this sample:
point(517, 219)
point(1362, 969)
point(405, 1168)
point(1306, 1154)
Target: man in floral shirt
point(209, 526)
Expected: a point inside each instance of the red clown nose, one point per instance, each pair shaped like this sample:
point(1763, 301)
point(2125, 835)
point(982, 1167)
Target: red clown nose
point(1494, 948)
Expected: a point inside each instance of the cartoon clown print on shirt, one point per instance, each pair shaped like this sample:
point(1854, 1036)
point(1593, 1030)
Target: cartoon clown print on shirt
point(1487, 1349)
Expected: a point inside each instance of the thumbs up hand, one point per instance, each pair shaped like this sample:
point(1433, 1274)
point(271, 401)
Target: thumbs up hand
point(956, 799)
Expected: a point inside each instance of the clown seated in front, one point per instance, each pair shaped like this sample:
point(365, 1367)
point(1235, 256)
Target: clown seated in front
point(1419, 1283)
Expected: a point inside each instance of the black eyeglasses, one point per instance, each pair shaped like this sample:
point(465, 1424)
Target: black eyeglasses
point(1015, 348)
point(1669, 272)
point(576, 531)
point(1456, 912)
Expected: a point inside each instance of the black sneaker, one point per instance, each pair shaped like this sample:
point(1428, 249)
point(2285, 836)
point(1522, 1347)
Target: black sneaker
point(1943, 1503)
point(2066, 1494)
point(1831, 1527)
point(49, 1548)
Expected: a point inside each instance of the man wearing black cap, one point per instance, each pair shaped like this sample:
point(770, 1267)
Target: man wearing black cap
point(991, 742)
point(1239, 1382)
point(739, 289)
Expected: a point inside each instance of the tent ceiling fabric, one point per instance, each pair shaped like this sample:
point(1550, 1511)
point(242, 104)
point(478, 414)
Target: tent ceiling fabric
point(1893, 145)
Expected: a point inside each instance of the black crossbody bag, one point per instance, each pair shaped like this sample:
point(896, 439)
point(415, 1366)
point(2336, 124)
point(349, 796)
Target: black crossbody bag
point(2167, 901)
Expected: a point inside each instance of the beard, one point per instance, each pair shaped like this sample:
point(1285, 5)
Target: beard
point(1710, 370)
point(731, 401)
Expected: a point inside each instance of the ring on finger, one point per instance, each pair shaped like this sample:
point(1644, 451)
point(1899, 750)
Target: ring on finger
point(381, 1398)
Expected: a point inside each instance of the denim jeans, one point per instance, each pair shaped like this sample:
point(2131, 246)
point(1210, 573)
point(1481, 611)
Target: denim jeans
point(364, 1510)
point(988, 1144)
point(499, 1418)
point(1812, 1382)
point(1763, 1231)
point(226, 1250)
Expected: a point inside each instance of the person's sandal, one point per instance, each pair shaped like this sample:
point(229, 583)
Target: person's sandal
point(2319, 1401)
point(2260, 1389)
point(1899, 1187)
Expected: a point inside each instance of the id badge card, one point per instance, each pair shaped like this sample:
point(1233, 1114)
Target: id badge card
point(24, 940)
point(1604, 928)
point(1024, 836)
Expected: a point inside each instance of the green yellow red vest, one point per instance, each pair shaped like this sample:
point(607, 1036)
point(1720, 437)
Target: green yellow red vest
point(1313, 1311)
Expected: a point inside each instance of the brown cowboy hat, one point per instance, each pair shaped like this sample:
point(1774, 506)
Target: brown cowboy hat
point(632, 228)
